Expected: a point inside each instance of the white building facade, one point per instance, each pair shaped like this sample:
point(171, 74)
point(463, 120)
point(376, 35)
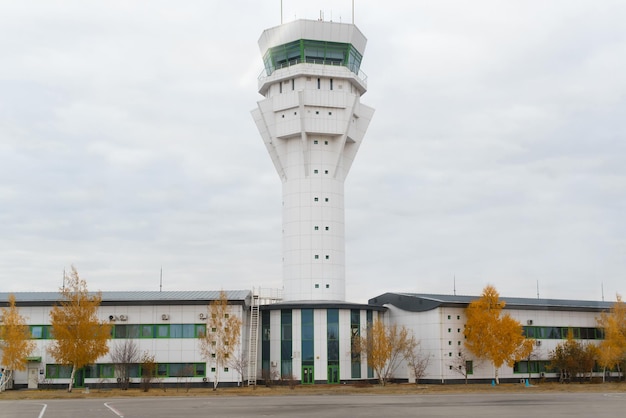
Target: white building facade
point(166, 325)
point(438, 322)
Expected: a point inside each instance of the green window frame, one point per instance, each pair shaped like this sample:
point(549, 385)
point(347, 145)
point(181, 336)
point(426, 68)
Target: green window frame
point(162, 370)
point(313, 52)
point(40, 332)
point(162, 331)
point(106, 370)
point(200, 330)
point(561, 333)
point(133, 331)
point(189, 331)
point(146, 331)
point(37, 332)
point(58, 371)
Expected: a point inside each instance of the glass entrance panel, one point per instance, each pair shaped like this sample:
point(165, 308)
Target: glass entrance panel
point(333, 373)
point(308, 376)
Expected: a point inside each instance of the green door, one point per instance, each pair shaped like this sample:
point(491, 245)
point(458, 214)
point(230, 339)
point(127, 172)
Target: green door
point(308, 377)
point(333, 373)
point(79, 378)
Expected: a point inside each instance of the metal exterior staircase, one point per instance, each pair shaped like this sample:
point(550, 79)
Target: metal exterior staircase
point(253, 340)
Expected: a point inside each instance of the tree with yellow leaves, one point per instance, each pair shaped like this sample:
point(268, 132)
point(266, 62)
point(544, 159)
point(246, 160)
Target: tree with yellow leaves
point(573, 359)
point(612, 350)
point(218, 343)
point(492, 336)
point(385, 346)
point(80, 338)
point(15, 342)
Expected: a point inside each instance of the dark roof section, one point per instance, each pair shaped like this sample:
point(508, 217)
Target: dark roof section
point(192, 297)
point(324, 304)
point(417, 302)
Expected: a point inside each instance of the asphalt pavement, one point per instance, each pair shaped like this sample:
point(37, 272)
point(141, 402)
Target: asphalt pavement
point(513, 405)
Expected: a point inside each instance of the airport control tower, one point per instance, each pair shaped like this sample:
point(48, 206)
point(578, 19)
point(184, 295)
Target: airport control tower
point(312, 122)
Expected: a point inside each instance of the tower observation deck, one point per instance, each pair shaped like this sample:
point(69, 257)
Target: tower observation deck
point(312, 123)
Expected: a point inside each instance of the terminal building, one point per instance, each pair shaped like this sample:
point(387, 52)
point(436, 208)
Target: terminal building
point(309, 343)
point(312, 122)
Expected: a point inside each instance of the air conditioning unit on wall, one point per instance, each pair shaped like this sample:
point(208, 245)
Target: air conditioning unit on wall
point(202, 316)
point(165, 317)
point(123, 318)
point(529, 322)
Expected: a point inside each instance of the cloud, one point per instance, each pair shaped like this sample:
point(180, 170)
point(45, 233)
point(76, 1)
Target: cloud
point(495, 155)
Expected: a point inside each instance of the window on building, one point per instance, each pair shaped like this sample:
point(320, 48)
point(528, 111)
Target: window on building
point(331, 83)
point(293, 84)
point(355, 355)
point(327, 257)
point(58, 371)
point(315, 199)
point(325, 171)
point(315, 171)
point(315, 142)
point(286, 343)
point(147, 331)
point(326, 228)
point(200, 369)
point(316, 227)
point(162, 369)
point(319, 84)
point(317, 256)
point(189, 331)
point(327, 286)
point(163, 331)
point(317, 286)
point(106, 370)
point(36, 332)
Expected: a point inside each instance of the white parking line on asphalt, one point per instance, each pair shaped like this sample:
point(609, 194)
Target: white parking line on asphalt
point(115, 411)
point(43, 410)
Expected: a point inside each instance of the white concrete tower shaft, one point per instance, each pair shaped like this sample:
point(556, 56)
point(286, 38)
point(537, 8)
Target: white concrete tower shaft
point(312, 123)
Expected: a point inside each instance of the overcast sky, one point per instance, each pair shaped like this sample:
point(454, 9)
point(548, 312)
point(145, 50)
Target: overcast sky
point(497, 153)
